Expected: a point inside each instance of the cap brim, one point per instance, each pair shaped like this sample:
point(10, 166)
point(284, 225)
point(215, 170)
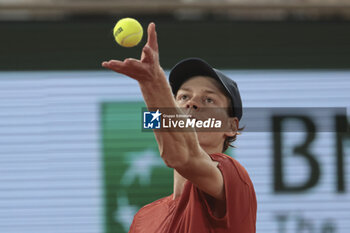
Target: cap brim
point(188, 68)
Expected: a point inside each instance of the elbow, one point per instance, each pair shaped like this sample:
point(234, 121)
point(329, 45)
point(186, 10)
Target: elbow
point(174, 160)
point(181, 149)
point(178, 157)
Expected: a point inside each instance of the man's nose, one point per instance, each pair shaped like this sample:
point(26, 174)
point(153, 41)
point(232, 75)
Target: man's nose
point(192, 103)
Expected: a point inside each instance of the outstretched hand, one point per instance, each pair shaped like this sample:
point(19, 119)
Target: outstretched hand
point(145, 69)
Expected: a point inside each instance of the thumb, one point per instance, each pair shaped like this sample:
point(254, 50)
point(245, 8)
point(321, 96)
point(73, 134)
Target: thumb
point(152, 40)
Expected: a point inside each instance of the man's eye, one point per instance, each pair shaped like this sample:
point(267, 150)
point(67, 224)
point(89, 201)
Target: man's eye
point(183, 97)
point(209, 100)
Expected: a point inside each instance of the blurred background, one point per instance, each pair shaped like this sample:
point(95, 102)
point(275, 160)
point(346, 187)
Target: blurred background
point(73, 158)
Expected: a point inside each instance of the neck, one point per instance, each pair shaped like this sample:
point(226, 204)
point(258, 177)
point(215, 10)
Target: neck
point(211, 150)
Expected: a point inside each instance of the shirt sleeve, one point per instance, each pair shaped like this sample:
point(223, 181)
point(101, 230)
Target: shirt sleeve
point(238, 195)
point(132, 228)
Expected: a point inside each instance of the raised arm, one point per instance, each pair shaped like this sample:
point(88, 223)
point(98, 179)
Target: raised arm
point(179, 150)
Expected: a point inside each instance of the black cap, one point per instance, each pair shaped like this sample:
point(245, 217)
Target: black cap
point(190, 67)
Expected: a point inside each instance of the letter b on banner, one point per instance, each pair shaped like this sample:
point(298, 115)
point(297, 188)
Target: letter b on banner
point(299, 150)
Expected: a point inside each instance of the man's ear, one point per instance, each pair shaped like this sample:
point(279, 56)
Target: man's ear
point(233, 124)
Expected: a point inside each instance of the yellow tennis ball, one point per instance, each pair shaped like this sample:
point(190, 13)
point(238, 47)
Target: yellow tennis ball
point(128, 32)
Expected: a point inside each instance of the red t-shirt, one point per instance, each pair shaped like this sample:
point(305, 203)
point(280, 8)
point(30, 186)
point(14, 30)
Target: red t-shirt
point(192, 212)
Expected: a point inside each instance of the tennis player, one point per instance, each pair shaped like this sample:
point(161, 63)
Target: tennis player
point(212, 192)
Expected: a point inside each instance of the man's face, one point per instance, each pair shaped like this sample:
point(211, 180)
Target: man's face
point(199, 94)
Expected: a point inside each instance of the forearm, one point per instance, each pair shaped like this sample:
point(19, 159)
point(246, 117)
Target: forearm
point(157, 93)
point(174, 147)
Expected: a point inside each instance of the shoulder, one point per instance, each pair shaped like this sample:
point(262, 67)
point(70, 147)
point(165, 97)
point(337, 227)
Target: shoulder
point(152, 207)
point(156, 203)
point(239, 194)
point(231, 166)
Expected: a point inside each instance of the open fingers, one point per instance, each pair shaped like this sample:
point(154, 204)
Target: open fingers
point(152, 40)
point(113, 65)
point(130, 67)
